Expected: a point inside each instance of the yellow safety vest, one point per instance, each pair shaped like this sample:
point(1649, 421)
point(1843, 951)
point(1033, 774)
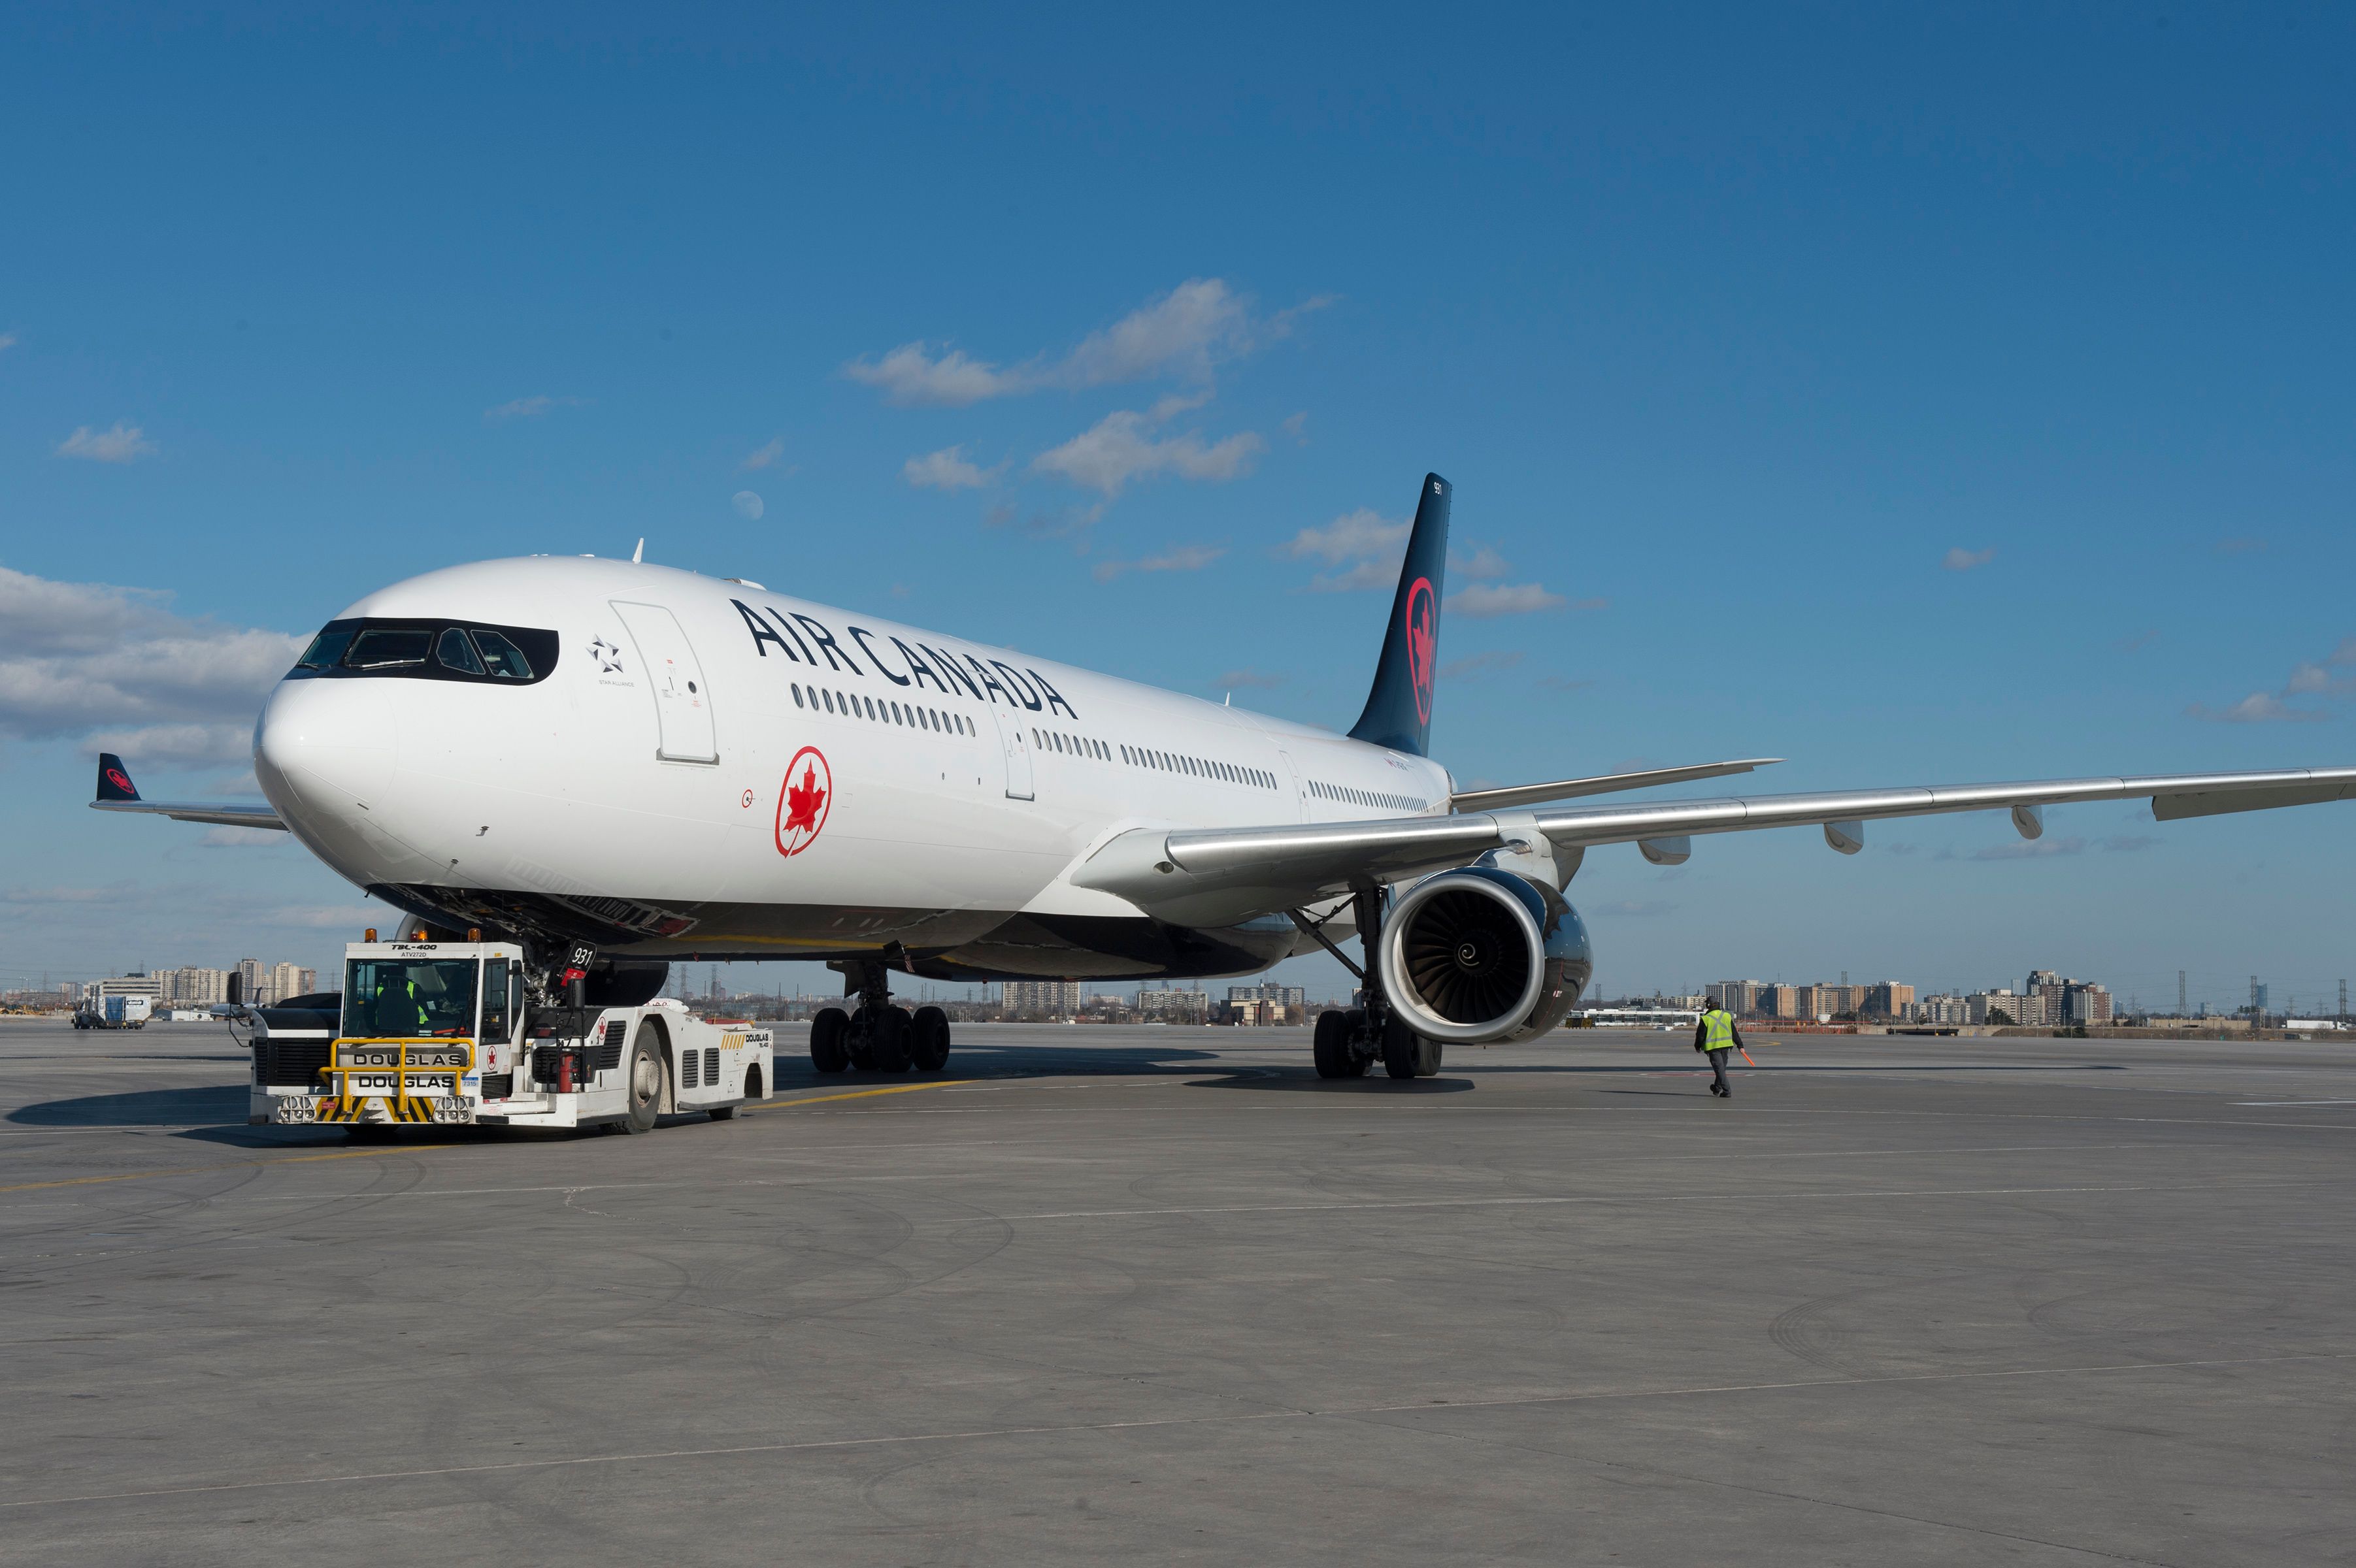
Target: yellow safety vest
point(1718, 1026)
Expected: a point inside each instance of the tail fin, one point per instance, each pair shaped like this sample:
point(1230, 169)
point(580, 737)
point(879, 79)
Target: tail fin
point(115, 779)
point(1398, 710)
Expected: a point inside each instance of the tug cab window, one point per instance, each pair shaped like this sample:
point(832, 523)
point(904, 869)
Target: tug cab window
point(393, 998)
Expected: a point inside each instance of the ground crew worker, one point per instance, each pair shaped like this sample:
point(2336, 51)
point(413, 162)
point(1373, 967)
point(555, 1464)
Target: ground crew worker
point(397, 1012)
point(1716, 1035)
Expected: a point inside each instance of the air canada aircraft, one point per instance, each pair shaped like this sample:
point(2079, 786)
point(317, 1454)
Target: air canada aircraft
point(657, 766)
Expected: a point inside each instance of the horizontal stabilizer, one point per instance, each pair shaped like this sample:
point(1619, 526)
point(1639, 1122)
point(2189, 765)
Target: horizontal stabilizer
point(1599, 783)
point(117, 793)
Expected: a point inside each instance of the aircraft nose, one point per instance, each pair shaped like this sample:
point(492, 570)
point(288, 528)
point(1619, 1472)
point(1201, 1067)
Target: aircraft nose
point(324, 747)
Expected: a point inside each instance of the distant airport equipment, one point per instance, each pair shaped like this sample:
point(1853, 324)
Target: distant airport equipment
point(460, 1033)
point(1642, 1018)
point(117, 1011)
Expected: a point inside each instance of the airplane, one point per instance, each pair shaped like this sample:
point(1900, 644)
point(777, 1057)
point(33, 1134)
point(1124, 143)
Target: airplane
point(652, 765)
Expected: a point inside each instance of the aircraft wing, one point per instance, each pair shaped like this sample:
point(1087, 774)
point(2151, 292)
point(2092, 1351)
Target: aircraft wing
point(1224, 875)
point(117, 793)
point(1599, 783)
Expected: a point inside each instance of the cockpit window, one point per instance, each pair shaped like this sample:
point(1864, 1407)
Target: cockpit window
point(420, 647)
point(505, 659)
point(388, 649)
point(327, 649)
point(456, 653)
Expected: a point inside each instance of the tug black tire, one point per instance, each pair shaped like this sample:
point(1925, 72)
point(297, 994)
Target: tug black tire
point(827, 1053)
point(643, 1084)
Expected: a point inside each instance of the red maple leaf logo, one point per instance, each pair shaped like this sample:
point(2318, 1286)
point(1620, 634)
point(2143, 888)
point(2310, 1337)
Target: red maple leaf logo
point(1422, 645)
point(802, 801)
point(802, 807)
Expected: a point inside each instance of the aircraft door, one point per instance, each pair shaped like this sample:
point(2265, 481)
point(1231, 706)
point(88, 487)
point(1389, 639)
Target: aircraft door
point(682, 699)
point(1016, 743)
point(1300, 791)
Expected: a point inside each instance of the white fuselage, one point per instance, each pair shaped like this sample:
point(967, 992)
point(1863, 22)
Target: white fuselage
point(689, 778)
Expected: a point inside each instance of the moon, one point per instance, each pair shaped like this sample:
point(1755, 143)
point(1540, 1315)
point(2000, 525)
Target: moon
point(748, 504)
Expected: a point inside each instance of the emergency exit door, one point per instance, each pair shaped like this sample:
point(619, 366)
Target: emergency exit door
point(1017, 746)
point(682, 701)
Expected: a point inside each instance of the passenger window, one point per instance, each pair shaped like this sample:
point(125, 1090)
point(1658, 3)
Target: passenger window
point(325, 650)
point(388, 650)
point(505, 659)
point(453, 651)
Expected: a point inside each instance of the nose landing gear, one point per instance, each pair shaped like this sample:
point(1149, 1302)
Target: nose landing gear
point(878, 1036)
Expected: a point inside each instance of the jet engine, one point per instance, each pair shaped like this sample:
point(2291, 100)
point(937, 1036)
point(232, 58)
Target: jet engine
point(1479, 954)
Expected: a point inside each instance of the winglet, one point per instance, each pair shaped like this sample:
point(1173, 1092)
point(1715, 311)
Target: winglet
point(115, 779)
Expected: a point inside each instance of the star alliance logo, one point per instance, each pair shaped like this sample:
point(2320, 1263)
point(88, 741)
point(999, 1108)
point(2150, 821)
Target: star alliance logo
point(608, 657)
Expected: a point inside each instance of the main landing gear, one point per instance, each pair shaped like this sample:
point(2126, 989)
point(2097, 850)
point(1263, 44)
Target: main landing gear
point(878, 1036)
point(1349, 1041)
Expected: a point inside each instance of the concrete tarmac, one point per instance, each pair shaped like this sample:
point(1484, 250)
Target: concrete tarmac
point(1162, 1294)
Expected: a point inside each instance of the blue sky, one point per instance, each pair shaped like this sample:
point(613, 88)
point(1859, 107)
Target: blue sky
point(1922, 394)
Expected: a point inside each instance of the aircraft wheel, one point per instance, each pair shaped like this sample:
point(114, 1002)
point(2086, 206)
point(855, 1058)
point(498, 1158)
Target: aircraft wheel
point(828, 1051)
point(1330, 1046)
point(1427, 1056)
point(1402, 1053)
point(887, 1038)
point(928, 1041)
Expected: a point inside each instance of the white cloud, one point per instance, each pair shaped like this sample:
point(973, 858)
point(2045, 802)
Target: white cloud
point(1118, 448)
point(78, 657)
point(1961, 559)
point(1183, 557)
point(1485, 601)
point(1373, 543)
point(765, 454)
point(2258, 708)
point(1184, 333)
point(177, 746)
point(1297, 427)
point(528, 407)
point(8, 341)
point(1361, 535)
point(124, 443)
point(232, 838)
point(114, 893)
point(946, 470)
point(909, 375)
point(2306, 678)
point(1483, 562)
point(1365, 575)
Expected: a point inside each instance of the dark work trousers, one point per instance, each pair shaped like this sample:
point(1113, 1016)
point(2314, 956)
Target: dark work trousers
point(1718, 1065)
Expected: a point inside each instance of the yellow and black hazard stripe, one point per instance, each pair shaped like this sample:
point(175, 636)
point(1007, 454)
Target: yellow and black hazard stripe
point(354, 1108)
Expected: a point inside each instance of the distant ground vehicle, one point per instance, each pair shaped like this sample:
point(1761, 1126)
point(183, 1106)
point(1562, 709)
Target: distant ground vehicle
point(448, 1033)
point(115, 1012)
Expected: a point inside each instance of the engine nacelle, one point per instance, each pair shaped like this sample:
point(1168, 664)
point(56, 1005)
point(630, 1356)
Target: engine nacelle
point(1478, 954)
